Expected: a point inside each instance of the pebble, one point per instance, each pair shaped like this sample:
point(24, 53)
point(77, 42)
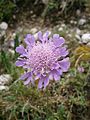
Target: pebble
point(60, 29)
point(82, 21)
point(45, 1)
point(78, 37)
point(33, 30)
point(5, 79)
point(78, 12)
point(63, 25)
point(4, 87)
point(85, 38)
point(88, 44)
point(78, 31)
point(3, 26)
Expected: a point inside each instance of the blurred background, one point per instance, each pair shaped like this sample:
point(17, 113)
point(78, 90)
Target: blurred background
point(70, 98)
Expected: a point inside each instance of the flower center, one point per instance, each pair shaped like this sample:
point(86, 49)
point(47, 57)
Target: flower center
point(41, 57)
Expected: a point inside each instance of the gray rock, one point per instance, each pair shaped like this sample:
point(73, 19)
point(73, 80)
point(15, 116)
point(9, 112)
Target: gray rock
point(78, 31)
point(2, 34)
point(60, 29)
point(78, 37)
point(85, 38)
point(78, 12)
point(45, 1)
point(11, 51)
point(19, 30)
point(3, 26)
point(63, 25)
point(5, 79)
point(2, 87)
point(33, 30)
point(88, 44)
point(82, 21)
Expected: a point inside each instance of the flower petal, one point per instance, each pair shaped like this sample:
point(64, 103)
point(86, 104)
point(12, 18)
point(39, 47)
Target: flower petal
point(20, 49)
point(63, 52)
point(40, 84)
point(37, 76)
point(40, 36)
point(55, 66)
point(27, 81)
point(64, 64)
point(46, 82)
point(45, 36)
point(26, 75)
point(56, 77)
point(30, 40)
point(56, 74)
point(20, 63)
point(58, 41)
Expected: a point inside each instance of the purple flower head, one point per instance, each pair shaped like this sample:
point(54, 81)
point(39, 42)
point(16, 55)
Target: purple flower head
point(80, 69)
point(44, 59)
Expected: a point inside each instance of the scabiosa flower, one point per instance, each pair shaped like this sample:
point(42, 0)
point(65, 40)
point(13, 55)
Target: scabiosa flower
point(44, 59)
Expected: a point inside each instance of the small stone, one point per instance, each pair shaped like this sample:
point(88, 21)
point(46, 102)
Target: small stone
point(14, 35)
point(11, 51)
point(82, 21)
point(78, 12)
point(2, 33)
point(45, 1)
point(71, 21)
point(31, 12)
point(78, 31)
point(85, 38)
point(75, 22)
point(33, 30)
point(19, 29)
point(88, 44)
point(12, 43)
point(14, 17)
point(69, 35)
point(60, 29)
point(5, 79)
point(63, 25)
point(77, 37)
point(3, 26)
point(3, 87)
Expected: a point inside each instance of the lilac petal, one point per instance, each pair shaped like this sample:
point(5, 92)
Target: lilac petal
point(26, 75)
point(30, 40)
point(32, 81)
point(56, 77)
point(46, 82)
point(63, 52)
point(64, 64)
point(20, 63)
point(37, 76)
point(55, 36)
point(51, 76)
point(45, 36)
point(80, 69)
point(56, 74)
point(59, 72)
point(58, 41)
point(27, 81)
point(55, 66)
point(40, 36)
point(20, 49)
point(40, 84)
